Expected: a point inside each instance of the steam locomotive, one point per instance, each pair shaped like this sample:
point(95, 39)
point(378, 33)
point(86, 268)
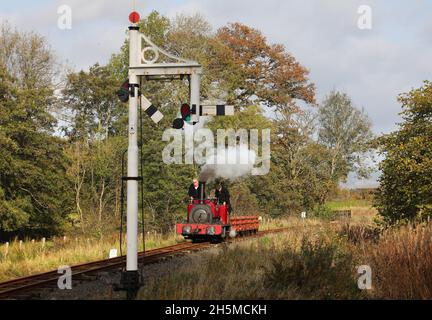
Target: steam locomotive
point(207, 220)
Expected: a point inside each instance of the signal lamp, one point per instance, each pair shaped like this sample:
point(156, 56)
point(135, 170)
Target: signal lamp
point(186, 112)
point(178, 124)
point(123, 93)
point(134, 17)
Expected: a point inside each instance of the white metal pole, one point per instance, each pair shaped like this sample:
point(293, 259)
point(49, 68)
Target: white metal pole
point(132, 185)
point(195, 82)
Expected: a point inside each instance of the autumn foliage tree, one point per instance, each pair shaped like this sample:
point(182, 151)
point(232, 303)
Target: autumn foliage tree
point(264, 73)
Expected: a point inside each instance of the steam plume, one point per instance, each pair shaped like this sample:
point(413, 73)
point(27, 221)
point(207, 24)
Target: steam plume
point(231, 163)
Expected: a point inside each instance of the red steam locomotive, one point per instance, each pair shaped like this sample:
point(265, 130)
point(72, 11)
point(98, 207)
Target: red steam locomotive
point(209, 221)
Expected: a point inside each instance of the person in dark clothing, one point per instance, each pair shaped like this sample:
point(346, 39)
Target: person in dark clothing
point(195, 190)
point(223, 196)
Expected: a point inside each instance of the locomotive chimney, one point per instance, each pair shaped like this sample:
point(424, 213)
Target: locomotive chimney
point(202, 188)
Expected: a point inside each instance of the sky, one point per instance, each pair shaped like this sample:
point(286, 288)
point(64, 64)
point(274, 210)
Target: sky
point(373, 66)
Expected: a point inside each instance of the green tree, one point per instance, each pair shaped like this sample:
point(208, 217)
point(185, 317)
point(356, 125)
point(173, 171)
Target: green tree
point(301, 175)
point(12, 211)
point(33, 183)
point(406, 181)
point(89, 101)
point(96, 131)
point(346, 132)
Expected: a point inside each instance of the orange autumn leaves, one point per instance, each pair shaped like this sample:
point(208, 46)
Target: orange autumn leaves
point(265, 73)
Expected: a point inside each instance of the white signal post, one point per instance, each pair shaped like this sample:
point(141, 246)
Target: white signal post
point(132, 185)
point(147, 62)
point(195, 81)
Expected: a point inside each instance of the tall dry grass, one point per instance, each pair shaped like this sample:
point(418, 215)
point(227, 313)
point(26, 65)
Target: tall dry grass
point(314, 260)
point(305, 263)
point(402, 263)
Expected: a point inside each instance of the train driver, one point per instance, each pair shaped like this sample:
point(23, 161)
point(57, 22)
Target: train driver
point(223, 196)
point(195, 190)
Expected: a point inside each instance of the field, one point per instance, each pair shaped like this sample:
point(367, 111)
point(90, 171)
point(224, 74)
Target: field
point(362, 210)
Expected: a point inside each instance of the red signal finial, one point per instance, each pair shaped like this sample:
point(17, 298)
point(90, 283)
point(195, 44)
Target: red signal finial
point(134, 17)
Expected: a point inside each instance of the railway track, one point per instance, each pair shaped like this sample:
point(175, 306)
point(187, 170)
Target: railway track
point(27, 287)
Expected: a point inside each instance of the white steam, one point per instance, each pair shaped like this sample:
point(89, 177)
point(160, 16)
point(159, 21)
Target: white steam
point(230, 163)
